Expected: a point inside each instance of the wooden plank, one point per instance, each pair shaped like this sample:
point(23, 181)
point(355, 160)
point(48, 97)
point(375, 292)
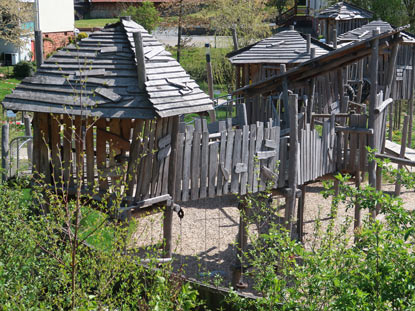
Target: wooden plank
point(258, 146)
point(89, 152)
point(164, 182)
point(222, 156)
point(79, 151)
point(155, 166)
point(186, 164)
point(204, 166)
point(228, 158)
point(235, 160)
point(139, 195)
point(179, 165)
point(195, 163)
point(213, 168)
point(164, 154)
point(245, 158)
point(134, 156)
point(283, 162)
point(251, 157)
point(55, 147)
point(67, 151)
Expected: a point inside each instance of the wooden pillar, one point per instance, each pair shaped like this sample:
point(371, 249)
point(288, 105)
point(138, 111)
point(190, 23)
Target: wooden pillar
point(38, 48)
point(411, 100)
point(235, 38)
point(36, 146)
point(5, 151)
point(402, 153)
point(168, 212)
point(293, 162)
point(373, 117)
point(28, 132)
point(141, 68)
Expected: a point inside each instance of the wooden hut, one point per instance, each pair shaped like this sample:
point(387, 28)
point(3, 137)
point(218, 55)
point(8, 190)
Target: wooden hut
point(343, 17)
point(263, 59)
point(106, 110)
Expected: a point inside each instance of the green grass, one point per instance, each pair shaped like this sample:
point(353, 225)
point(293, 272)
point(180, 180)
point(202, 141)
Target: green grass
point(7, 86)
point(98, 22)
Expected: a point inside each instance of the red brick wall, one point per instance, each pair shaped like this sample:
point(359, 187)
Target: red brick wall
point(55, 40)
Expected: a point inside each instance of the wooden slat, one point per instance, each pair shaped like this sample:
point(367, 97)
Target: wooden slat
point(67, 150)
point(139, 195)
point(228, 159)
point(236, 158)
point(196, 163)
point(221, 164)
point(89, 152)
point(283, 163)
point(186, 164)
point(244, 158)
point(55, 147)
point(134, 156)
point(166, 170)
point(251, 158)
point(213, 168)
point(258, 146)
point(179, 165)
point(205, 163)
point(155, 166)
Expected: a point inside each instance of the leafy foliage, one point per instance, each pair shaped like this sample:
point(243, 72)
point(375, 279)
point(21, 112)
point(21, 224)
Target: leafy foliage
point(373, 271)
point(24, 69)
point(15, 16)
point(145, 14)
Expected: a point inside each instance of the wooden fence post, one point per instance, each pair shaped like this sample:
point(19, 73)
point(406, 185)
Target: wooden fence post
point(285, 97)
point(293, 162)
point(5, 151)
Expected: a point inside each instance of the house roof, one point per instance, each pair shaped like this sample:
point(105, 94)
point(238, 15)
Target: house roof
point(366, 31)
point(326, 63)
point(99, 78)
point(344, 11)
point(285, 47)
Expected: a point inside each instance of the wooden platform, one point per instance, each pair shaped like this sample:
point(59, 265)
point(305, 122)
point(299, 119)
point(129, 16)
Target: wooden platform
point(394, 149)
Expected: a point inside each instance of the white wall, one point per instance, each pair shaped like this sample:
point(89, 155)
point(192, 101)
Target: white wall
point(23, 53)
point(56, 15)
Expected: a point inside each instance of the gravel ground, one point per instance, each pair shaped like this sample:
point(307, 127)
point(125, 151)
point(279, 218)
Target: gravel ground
point(204, 239)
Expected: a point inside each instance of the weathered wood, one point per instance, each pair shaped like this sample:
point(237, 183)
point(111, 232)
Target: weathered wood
point(101, 156)
point(204, 167)
point(79, 151)
point(228, 159)
point(285, 96)
point(139, 53)
point(28, 132)
point(213, 168)
point(293, 161)
point(134, 157)
point(300, 216)
point(5, 151)
point(89, 152)
point(222, 174)
point(251, 157)
point(179, 166)
point(258, 146)
point(55, 148)
point(195, 165)
point(411, 99)
point(236, 159)
point(44, 163)
point(186, 165)
point(38, 48)
point(244, 158)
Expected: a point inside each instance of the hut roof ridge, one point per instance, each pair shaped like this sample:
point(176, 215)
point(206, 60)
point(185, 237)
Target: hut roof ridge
point(345, 11)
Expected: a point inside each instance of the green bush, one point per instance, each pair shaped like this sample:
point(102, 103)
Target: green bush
point(145, 14)
point(81, 35)
point(24, 69)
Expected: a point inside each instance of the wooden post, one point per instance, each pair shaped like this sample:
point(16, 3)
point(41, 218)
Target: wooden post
point(285, 97)
point(141, 66)
point(235, 38)
point(360, 88)
point(5, 151)
point(210, 80)
point(308, 44)
point(373, 116)
point(334, 38)
point(411, 100)
point(293, 162)
point(168, 212)
point(242, 241)
point(300, 217)
point(38, 48)
point(312, 90)
point(28, 132)
point(402, 153)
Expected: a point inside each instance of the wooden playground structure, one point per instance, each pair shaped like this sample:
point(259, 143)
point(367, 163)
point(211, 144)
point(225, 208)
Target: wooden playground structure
point(130, 113)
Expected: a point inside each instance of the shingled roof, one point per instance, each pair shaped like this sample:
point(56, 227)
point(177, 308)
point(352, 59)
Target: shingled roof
point(366, 31)
point(344, 11)
point(285, 47)
point(102, 68)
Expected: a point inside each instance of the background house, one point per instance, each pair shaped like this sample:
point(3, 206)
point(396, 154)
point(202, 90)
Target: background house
point(54, 18)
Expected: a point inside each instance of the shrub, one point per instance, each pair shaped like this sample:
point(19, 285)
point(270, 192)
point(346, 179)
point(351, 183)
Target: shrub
point(24, 69)
point(81, 35)
point(146, 15)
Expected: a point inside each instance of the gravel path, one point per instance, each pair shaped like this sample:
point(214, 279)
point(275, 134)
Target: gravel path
point(204, 239)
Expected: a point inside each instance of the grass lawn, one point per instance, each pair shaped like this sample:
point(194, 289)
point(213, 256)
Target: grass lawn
point(7, 86)
point(98, 22)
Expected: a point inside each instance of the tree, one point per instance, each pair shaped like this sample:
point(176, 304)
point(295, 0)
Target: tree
point(145, 14)
point(245, 16)
point(281, 5)
point(14, 21)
